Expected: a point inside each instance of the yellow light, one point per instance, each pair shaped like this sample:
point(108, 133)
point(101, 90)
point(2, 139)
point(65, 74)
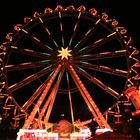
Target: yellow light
point(64, 53)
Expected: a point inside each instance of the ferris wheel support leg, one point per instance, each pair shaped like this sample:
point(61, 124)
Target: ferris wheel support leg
point(28, 122)
point(89, 101)
point(54, 92)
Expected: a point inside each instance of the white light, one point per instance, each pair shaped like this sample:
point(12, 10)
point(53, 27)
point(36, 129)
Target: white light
point(78, 135)
point(33, 130)
point(37, 133)
point(130, 119)
point(103, 130)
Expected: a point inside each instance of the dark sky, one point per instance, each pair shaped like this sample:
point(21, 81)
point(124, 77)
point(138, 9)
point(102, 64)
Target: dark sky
point(125, 11)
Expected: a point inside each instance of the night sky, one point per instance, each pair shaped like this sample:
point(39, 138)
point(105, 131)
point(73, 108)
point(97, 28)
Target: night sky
point(126, 12)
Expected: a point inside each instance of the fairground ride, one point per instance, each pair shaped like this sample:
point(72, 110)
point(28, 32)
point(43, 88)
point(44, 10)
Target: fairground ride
point(67, 57)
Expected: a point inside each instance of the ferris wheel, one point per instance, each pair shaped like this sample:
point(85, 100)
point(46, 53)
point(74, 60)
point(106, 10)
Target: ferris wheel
point(65, 57)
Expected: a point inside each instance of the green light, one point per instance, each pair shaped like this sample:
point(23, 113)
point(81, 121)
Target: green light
point(129, 85)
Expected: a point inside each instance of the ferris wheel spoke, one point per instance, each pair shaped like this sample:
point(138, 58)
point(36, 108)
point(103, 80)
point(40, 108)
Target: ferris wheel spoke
point(75, 29)
point(102, 55)
point(11, 104)
point(30, 52)
point(98, 83)
point(48, 32)
point(33, 97)
point(28, 65)
point(36, 93)
point(97, 43)
point(36, 40)
point(29, 79)
point(102, 68)
point(87, 35)
point(61, 28)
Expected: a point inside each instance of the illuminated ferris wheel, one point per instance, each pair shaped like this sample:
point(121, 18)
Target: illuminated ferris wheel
point(65, 57)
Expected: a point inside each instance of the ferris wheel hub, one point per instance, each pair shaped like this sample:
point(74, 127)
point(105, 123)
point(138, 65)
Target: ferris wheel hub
point(64, 53)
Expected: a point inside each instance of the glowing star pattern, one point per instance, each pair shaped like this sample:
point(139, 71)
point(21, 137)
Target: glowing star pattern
point(64, 53)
